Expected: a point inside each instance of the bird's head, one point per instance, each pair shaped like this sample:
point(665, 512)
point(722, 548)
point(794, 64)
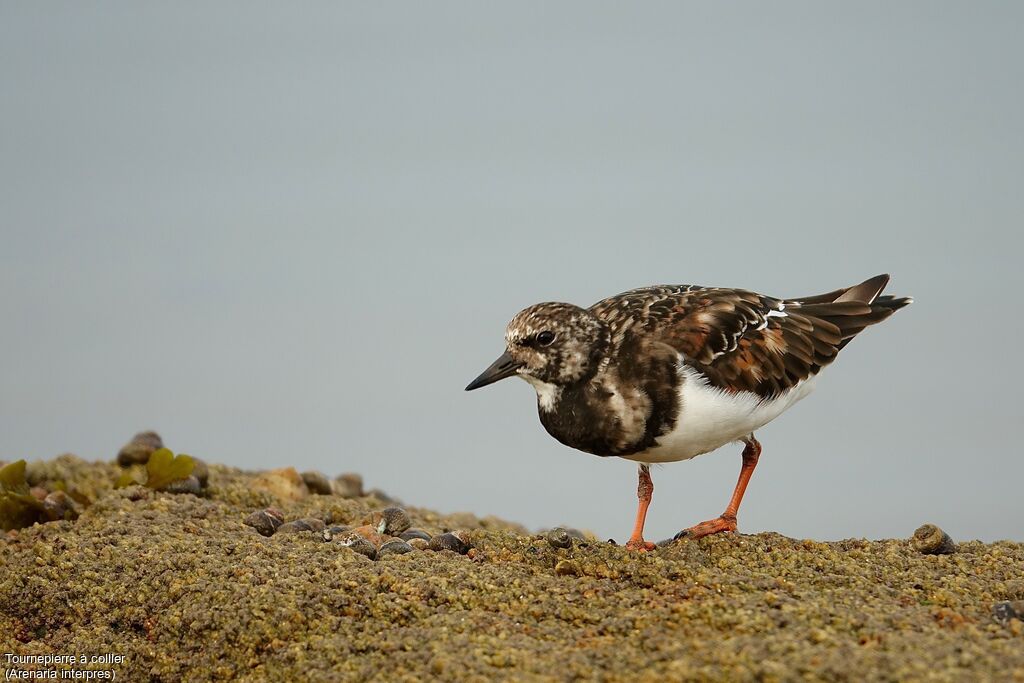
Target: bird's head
point(551, 344)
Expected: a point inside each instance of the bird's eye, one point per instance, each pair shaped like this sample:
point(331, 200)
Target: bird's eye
point(545, 338)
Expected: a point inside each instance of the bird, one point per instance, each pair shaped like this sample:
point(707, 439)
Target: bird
point(668, 372)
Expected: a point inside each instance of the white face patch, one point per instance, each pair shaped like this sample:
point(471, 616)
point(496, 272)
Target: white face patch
point(547, 394)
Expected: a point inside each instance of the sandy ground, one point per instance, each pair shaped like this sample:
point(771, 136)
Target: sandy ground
point(174, 587)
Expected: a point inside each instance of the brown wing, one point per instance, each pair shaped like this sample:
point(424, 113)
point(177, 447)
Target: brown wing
point(741, 340)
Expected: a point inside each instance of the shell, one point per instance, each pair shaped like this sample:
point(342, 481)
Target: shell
point(419, 544)
point(138, 450)
point(448, 541)
point(395, 546)
point(559, 538)
point(931, 540)
point(264, 522)
point(294, 527)
point(189, 484)
point(360, 545)
point(393, 521)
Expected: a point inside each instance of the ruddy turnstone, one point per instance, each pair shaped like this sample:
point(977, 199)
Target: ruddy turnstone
point(669, 372)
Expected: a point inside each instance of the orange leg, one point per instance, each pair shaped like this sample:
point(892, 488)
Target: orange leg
point(644, 493)
point(727, 521)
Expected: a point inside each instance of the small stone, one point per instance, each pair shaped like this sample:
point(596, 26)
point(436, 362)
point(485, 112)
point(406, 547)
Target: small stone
point(410, 534)
point(359, 544)
point(317, 483)
point(189, 484)
point(419, 543)
point(201, 471)
point(395, 546)
point(326, 535)
point(276, 513)
point(383, 497)
point(931, 540)
point(559, 538)
point(138, 450)
point(285, 484)
point(348, 485)
point(58, 506)
point(1006, 610)
point(393, 521)
point(448, 541)
point(294, 527)
point(575, 534)
point(339, 529)
point(314, 523)
point(264, 522)
point(136, 492)
point(567, 568)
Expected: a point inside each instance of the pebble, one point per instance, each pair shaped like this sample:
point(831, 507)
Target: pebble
point(348, 485)
point(201, 471)
point(567, 568)
point(419, 543)
point(393, 521)
point(138, 450)
point(58, 506)
point(339, 529)
point(931, 540)
point(284, 484)
point(383, 497)
point(360, 545)
point(314, 523)
point(317, 483)
point(264, 522)
point(448, 541)
point(395, 546)
point(189, 484)
point(410, 534)
point(1008, 609)
point(559, 538)
point(294, 527)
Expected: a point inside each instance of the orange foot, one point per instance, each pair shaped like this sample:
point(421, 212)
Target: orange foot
point(639, 544)
point(712, 526)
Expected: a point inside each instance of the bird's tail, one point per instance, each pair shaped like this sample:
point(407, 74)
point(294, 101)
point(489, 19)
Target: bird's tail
point(851, 309)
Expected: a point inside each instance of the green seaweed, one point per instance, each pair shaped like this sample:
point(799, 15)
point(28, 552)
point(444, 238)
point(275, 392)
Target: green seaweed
point(164, 467)
point(18, 507)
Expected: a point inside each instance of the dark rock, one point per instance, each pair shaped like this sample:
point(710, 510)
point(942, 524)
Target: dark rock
point(1003, 611)
point(294, 527)
point(58, 506)
point(393, 521)
point(395, 546)
point(410, 534)
point(138, 450)
point(349, 485)
point(189, 484)
point(317, 483)
point(201, 471)
point(263, 522)
point(314, 523)
point(559, 538)
point(931, 540)
point(360, 545)
point(448, 541)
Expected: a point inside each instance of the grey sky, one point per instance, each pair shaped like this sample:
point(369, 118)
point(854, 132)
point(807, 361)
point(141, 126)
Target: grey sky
point(290, 236)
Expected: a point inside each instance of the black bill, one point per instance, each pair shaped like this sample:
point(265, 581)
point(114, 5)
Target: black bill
point(505, 366)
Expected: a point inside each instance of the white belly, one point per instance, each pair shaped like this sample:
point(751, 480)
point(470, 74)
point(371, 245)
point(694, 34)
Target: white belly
point(710, 418)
